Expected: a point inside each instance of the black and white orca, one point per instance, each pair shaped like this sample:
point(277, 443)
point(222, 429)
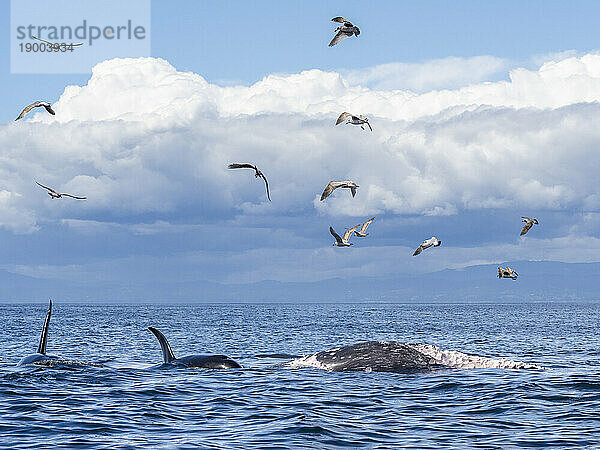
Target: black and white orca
point(200, 361)
point(41, 357)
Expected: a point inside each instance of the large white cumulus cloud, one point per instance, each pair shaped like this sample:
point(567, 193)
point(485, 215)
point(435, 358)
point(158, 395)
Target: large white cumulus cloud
point(143, 139)
point(134, 88)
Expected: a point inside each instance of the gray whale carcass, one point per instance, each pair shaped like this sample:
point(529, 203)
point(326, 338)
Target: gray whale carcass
point(400, 357)
point(41, 357)
point(370, 356)
point(200, 361)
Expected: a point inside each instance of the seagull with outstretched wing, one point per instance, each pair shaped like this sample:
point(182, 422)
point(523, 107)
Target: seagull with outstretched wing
point(56, 45)
point(354, 120)
point(363, 228)
point(333, 185)
point(53, 194)
point(431, 242)
point(257, 174)
point(343, 241)
point(345, 30)
point(529, 222)
point(36, 105)
point(507, 272)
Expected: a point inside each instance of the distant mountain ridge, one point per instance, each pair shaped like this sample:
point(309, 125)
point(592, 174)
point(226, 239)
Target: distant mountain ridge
point(538, 281)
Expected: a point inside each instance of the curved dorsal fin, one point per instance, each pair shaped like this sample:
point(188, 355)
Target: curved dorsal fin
point(42, 347)
point(168, 355)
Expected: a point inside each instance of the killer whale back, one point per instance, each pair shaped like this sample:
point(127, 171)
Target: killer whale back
point(168, 355)
point(198, 361)
point(42, 359)
point(44, 338)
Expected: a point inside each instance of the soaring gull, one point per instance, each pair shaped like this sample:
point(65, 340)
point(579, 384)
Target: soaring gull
point(57, 45)
point(361, 232)
point(507, 272)
point(257, 174)
point(333, 185)
point(346, 29)
point(35, 105)
point(343, 241)
point(529, 222)
point(432, 241)
point(354, 120)
point(52, 193)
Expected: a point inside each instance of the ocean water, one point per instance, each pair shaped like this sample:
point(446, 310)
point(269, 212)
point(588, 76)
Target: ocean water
point(129, 403)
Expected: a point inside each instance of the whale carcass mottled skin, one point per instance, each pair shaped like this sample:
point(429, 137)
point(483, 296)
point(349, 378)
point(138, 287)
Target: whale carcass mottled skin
point(372, 356)
point(401, 357)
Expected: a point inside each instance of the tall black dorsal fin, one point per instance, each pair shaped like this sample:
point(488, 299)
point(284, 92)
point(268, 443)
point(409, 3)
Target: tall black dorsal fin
point(168, 355)
point(42, 347)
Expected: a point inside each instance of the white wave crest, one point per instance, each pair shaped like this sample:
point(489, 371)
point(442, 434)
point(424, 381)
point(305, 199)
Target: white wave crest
point(458, 360)
point(309, 361)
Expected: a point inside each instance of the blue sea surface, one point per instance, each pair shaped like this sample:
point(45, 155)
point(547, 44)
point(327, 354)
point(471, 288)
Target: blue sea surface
point(130, 403)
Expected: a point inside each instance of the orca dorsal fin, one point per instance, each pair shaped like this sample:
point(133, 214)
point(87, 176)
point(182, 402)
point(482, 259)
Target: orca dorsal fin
point(42, 347)
point(168, 355)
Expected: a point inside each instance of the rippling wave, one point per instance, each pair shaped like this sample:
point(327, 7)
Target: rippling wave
point(128, 402)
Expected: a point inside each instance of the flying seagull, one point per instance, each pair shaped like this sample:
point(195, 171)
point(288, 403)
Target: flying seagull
point(333, 185)
point(362, 233)
point(529, 222)
point(343, 241)
point(346, 29)
point(56, 45)
point(432, 241)
point(35, 105)
point(507, 272)
point(354, 120)
point(256, 175)
point(52, 193)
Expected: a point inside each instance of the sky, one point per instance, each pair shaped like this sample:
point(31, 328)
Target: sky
point(482, 113)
